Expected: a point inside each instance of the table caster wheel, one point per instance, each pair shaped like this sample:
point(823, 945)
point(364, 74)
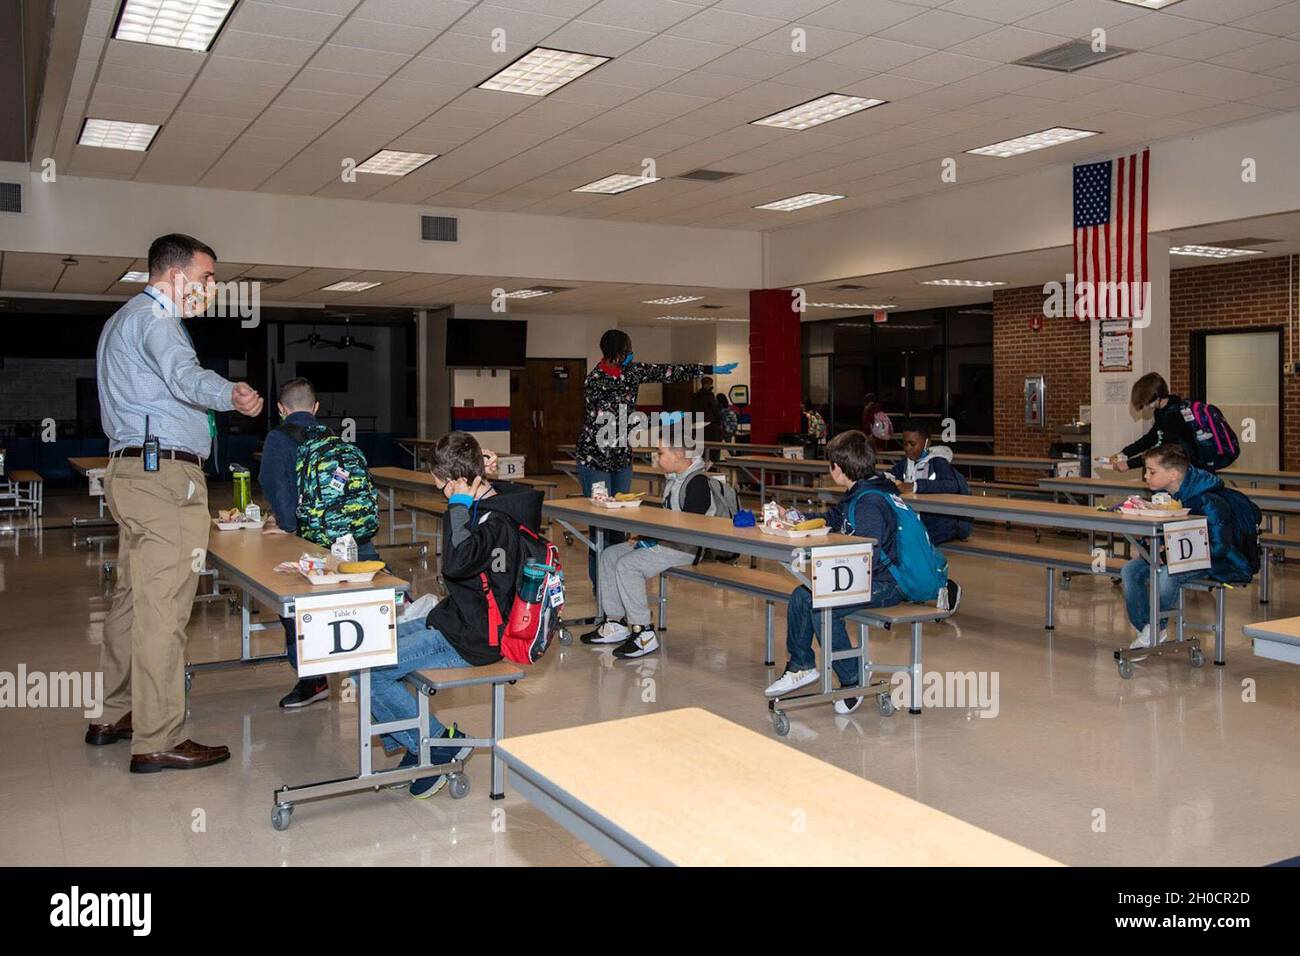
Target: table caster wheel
point(1065, 582)
point(885, 704)
point(189, 681)
point(1126, 670)
point(458, 786)
point(568, 539)
point(1197, 657)
point(565, 637)
point(281, 815)
point(780, 723)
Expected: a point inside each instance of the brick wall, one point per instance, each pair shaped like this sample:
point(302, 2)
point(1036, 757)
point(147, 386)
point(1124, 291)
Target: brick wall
point(1059, 351)
point(1233, 295)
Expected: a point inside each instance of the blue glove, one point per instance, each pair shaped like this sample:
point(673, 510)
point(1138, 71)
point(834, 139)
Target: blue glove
point(465, 500)
point(744, 519)
point(725, 369)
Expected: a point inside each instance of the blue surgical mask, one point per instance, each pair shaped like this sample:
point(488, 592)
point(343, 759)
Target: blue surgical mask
point(628, 360)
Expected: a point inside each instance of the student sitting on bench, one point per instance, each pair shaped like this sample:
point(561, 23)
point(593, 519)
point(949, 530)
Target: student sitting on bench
point(625, 568)
point(1231, 518)
point(480, 536)
point(927, 469)
point(278, 477)
point(864, 510)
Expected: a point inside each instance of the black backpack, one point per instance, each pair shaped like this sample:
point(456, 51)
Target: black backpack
point(1246, 517)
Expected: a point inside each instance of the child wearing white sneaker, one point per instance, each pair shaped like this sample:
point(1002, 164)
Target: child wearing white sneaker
point(625, 568)
point(853, 468)
point(1232, 539)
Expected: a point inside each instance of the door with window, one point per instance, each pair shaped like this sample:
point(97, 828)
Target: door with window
point(1240, 373)
point(545, 410)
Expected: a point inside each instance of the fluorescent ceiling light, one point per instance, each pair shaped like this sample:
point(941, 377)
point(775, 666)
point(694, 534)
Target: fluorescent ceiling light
point(115, 134)
point(1032, 141)
point(394, 162)
point(135, 277)
point(187, 24)
point(972, 283)
point(1150, 4)
point(1213, 252)
point(801, 201)
point(528, 293)
point(816, 112)
point(847, 305)
point(541, 71)
point(697, 318)
point(618, 183)
point(673, 300)
point(350, 286)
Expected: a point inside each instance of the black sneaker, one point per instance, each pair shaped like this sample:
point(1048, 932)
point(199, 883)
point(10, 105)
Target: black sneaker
point(609, 632)
point(306, 691)
point(950, 597)
point(449, 754)
point(424, 787)
point(640, 642)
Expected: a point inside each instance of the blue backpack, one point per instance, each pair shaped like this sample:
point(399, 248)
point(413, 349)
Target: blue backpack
point(920, 572)
point(1246, 517)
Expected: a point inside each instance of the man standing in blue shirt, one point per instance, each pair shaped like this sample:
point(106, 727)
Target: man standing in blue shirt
point(152, 388)
point(278, 477)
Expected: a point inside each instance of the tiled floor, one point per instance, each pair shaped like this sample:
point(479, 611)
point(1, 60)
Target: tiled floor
point(1174, 767)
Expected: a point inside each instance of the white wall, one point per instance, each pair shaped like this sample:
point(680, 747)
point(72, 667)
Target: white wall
point(103, 217)
point(733, 346)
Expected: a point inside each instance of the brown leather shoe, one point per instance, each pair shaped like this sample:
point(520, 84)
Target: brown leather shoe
point(187, 755)
point(97, 735)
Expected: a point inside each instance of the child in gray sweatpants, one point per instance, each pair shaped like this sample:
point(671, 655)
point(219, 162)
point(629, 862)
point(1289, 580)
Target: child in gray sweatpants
point(625, 568)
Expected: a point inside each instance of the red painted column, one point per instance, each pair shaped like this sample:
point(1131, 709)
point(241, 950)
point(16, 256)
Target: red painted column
point(775, 364)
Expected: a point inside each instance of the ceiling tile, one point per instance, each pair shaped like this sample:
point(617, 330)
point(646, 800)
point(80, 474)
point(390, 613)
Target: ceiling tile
point(1208, 43)
point(375, 35)
point(1007, 44)
point(876, 54)
point(938, 29)
point(862, 16)
point(943, 67)
point(266, 19)
point(723, 26)
point(598, 39)
point(677, 52)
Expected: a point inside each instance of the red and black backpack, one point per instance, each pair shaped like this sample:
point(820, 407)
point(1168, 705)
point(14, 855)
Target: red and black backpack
point(539, 599)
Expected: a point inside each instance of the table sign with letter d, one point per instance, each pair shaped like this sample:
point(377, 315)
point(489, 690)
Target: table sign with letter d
point(344, 632)
point(1187, 545)
point(841, 575)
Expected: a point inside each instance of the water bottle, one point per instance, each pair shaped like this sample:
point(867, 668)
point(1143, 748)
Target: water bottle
point(243, 491)
point(533, 589)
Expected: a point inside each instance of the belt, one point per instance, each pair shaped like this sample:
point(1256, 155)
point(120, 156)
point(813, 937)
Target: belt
point(162, 453)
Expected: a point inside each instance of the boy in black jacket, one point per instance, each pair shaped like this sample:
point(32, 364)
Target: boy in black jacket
point(853, 468)
point(927, 469)
point(480, 542)
point(1152, 391)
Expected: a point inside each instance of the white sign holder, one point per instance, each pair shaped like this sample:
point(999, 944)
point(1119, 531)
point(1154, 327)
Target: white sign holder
point(841, 575)
point(346, 632)
point(1187, 545)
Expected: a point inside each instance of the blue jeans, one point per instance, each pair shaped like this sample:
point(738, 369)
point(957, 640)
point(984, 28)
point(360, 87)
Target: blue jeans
point(615, 481)
point(803, 623)
point(418, 648)
point(1136, 576)
point(365, 552)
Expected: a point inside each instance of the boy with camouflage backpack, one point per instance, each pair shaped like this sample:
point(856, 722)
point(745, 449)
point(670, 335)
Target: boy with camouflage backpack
point(319, 488)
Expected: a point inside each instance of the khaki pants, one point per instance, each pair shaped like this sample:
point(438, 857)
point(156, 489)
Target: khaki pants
point(163, 520)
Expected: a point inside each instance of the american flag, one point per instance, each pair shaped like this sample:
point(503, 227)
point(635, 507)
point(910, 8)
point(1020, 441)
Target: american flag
point(1110, 235)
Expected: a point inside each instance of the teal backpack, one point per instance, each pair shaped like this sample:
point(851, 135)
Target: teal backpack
point(920, 572)
point(335, 493)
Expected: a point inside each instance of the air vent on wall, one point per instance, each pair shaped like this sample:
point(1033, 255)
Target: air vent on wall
point(11, 197)
point(438, 228)
point(849, 288)
point(710, 307)
point(1070, 57)
point(706, 175)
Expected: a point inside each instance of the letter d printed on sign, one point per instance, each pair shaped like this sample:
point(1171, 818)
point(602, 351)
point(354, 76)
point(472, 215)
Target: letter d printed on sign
point(841, 575)
point(1187, 545)
point(344, 632)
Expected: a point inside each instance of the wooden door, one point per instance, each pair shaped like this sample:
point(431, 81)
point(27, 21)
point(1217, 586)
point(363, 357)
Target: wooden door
point(546, 406)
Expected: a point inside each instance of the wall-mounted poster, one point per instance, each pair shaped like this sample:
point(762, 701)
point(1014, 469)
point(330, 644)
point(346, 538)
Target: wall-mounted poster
point(1115, 345)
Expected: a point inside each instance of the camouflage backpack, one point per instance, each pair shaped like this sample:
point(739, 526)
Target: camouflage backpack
point(335, 493)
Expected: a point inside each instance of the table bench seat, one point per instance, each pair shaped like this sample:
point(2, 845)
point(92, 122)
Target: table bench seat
point(443, 678)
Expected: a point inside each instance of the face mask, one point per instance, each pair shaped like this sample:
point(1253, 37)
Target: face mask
point(628, 360)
